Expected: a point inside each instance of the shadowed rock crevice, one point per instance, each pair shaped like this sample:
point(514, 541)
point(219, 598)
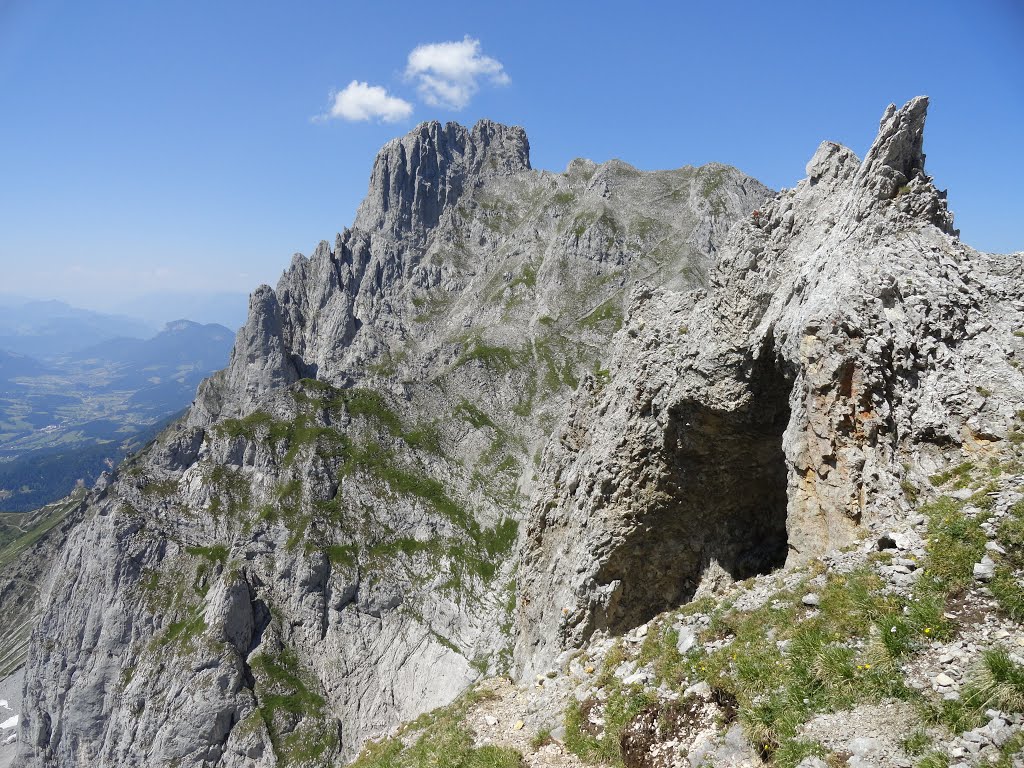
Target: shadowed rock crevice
point(373, 513)
point(686, 469)
point(720, 506)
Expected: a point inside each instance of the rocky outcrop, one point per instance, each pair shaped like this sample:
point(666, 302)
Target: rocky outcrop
point(418, 177)
point(324, 546)
point(672, 383)
point(25, 572)
point(847, 338)
point(450, 215)
point(260, 362)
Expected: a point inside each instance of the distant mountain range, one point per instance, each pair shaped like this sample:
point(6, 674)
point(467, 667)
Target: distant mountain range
point(13, 366)
point(225, 308)
point(96, 394)
point(46, 329)
point(174, 361)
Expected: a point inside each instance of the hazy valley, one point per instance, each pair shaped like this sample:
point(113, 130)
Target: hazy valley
point(79, 391)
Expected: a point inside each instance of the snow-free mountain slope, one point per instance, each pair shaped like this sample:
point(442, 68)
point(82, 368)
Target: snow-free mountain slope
point(325, 545)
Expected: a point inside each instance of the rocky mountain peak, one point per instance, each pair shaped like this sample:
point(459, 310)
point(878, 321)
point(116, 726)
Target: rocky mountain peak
point(414, 177)
point(513, 420)
point(892, 172)
point(898, 146)
point(890, 181)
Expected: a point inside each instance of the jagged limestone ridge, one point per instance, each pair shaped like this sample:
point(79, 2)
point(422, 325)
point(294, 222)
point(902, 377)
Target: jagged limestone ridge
point(323, 547)
point(847, 339)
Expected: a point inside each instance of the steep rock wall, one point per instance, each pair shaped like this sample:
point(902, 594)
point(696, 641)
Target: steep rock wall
point(845, 338)
point(323, 547)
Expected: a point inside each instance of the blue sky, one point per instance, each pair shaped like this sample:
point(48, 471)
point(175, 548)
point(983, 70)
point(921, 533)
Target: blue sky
point(152, 146)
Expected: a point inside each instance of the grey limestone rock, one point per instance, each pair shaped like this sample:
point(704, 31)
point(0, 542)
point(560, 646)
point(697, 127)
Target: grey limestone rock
point(985, 570)
point(845, 335)
point(417, 177)
point(508, 410)
point(324, 546)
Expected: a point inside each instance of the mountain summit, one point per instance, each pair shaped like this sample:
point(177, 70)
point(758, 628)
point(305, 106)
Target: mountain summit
point(514, 422)
point(417, 177)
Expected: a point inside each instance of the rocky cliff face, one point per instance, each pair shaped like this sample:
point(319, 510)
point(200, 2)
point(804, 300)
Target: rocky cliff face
point(846, 341)
point(325, 545)
point(29, 543)
point(672, 383)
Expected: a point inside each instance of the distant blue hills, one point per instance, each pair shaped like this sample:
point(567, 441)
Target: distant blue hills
point(43, 329)
point(80, 389)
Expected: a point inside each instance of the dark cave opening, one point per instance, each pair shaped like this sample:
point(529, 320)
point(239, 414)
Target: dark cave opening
point(721, 497)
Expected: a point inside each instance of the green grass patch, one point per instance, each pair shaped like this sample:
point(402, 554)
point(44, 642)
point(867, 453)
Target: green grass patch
point(160, 488)
point(527, 278)
point(472, 415)
point(581, 223)
point(293, 710)
point(602, 746)
point(184, 631)
point(961, 474)
point(1011, 535)
point(432, 307)
point(910, 491)
point(711, 182)
point(319, 406)
point(342, 555)
point(917, 742)
point(373, 459)
point(959, 542)
point(499, 538)
point(493, 357)
point(292, 692)
point(996, 682)
point(1006, 586)
point(608, 312)
point(1011, 749)
point(438, 739)
point(177, 589)
point(933, 760)
point(217, 553)
point(557, 366)
point(481, 555)
point(405, 545)
point(230, 491)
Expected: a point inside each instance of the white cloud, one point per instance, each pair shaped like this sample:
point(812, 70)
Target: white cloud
point(362, 101)
point(449, 74)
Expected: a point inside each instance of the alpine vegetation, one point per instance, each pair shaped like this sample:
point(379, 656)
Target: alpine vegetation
point(602, 466)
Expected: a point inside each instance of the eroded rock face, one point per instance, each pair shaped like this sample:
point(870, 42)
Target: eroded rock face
point(329, 543)
point(417, 177)
point(845, 338)
point(325, 545)
point(25, 579)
